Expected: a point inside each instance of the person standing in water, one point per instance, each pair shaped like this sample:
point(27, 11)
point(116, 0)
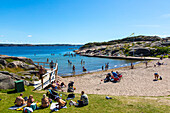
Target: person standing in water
point(102, 68)
point(81, 61)
point(73, 68)
point(84, 69)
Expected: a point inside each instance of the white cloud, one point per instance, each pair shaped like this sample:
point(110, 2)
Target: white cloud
point(29, 36)
point(163, 36)
point(147, 26)
point(165, 16)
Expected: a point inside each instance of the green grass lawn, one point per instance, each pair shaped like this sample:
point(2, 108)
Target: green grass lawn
point(97, 103)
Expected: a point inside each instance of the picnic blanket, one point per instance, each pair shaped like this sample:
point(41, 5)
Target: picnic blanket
point(17, 107)
point(53, 107)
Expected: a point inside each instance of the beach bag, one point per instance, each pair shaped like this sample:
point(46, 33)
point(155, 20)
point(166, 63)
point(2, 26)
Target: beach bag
point(160, 78)
point(120, 76)
point(71, 96)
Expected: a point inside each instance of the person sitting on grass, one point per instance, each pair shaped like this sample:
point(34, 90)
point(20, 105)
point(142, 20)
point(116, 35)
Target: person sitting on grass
point(83, 100)
point(19, 100)
point(45, 101)
point(61, 103)
point(30, 100)
point(55, 86)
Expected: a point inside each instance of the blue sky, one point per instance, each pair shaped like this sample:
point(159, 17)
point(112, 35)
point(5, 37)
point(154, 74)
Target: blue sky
point(81, 21)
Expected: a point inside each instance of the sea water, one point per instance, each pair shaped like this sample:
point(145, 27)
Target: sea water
point(56, 53)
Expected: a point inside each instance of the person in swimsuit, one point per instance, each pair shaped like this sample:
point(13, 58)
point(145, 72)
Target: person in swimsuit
point(30, 100)
point(45, 101)
point(41, 73)
point(19, 100)
point(61, 103)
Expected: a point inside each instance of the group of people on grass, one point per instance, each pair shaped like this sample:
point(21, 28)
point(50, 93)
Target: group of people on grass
point(45, 101)
point(20, 101)
point(113, 77)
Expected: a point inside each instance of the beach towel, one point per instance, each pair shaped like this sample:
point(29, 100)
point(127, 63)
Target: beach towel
point(17, 107)
point(28, 110)
point(53, 107)
point(52, 94)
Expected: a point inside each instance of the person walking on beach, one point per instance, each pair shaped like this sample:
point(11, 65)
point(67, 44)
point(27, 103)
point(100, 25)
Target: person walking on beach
point(47, 60)
point(41, 73)
point(51, 65)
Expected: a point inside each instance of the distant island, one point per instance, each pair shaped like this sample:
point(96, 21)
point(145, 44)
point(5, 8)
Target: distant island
point(6, 45)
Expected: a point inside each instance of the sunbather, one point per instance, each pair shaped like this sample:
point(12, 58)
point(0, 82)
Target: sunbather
point(30, 100)
point(45, 101)
point(19, 100)
point(61, 103)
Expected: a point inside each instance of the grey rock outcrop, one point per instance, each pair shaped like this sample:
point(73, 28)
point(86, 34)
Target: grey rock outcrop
point(28, 77)
point(158, 43)
point(3, 62)
point(20, 64)
point(6, 82)
point(1, 66)
point(30, 67)
point(140, 52)
point(35, 77)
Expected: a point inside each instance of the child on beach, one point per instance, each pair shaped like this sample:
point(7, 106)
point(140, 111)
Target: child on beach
point(156, 76)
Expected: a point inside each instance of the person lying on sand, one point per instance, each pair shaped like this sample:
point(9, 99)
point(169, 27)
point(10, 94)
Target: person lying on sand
point(19, 100)
point(108, 78)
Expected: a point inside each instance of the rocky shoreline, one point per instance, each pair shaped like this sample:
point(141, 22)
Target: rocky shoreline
point(16, 68)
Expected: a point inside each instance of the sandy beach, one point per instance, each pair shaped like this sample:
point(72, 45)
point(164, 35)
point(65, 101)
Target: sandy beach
point(135, 82)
